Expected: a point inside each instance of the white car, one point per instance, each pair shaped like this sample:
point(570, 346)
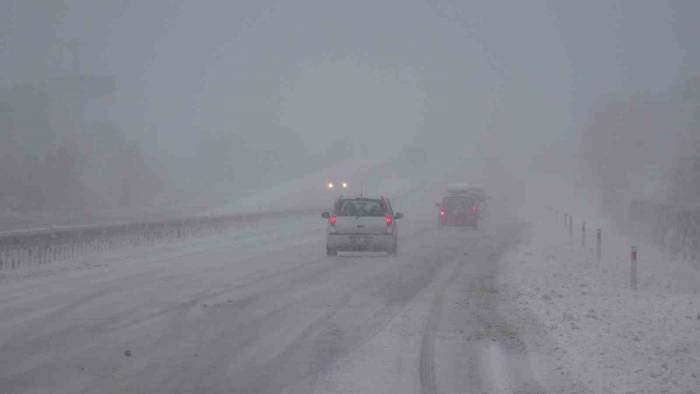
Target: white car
point(362, 223)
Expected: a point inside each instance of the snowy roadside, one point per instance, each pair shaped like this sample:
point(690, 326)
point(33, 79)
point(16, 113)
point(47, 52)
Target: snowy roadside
point(582, 317)
point(266, 234)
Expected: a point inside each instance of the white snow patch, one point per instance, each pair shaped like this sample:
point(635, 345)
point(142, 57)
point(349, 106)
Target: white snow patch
point(607, 336)
point(494, 368)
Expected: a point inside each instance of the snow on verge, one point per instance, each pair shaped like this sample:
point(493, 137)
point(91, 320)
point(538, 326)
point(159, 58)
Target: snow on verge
point(585, 320)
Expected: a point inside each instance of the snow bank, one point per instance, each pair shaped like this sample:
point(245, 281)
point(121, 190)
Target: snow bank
point(588, 321)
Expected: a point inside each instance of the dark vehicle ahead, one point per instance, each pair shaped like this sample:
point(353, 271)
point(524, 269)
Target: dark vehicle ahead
point(477, 192)
point(362, 224)
point(460, 210)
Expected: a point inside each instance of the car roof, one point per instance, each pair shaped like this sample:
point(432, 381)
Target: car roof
point(362, 198)
point(462, 196)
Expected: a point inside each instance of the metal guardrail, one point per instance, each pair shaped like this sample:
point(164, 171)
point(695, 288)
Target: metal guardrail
point(42, 246)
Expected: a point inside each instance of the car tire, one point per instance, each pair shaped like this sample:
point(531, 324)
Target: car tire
point(331, 252)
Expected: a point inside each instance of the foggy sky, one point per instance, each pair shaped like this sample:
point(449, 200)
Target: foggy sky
point(385, 74)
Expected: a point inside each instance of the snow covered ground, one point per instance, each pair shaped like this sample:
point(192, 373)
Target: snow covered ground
point(582, 315)
point(261, 309)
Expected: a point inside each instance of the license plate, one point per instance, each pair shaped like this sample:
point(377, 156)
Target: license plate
point(359, 239)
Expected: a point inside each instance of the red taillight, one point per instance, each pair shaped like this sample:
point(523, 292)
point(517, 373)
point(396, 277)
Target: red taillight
point(442, 212)
point(476, 207)
point(332, 220)
point(389, 220)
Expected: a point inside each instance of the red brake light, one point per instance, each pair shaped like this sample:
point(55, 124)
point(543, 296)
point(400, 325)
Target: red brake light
point(389, 220)
point(332, 220)
point(476, 207)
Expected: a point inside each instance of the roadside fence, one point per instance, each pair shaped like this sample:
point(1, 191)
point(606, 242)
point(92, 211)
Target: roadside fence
point(674, 229)
point(43, 246)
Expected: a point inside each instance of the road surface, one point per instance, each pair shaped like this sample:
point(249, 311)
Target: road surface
point(263, 310)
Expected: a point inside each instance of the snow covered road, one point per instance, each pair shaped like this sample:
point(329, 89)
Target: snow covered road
point(263, 310)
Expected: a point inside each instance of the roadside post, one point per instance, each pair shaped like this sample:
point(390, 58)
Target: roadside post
point(583, 235)
point(598, 244)
point(571, 228)
point(633, 268)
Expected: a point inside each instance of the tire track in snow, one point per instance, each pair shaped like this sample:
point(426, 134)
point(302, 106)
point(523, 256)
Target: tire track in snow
point(428, 381)
point(427, 373)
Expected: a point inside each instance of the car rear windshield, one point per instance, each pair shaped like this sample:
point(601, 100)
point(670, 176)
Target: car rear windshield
point(477, 193)
point(458, 203)
point(361, 207)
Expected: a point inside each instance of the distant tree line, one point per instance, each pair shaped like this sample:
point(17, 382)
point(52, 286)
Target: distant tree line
point(61, 152)
point(55, 158)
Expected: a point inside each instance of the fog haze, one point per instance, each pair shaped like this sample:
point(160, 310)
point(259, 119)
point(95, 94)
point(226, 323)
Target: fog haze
point(317, 196)
point(226, 97)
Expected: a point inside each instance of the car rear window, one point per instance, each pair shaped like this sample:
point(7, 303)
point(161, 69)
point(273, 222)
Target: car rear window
point(361, 207)
point(458, 203)
point(477, 193)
